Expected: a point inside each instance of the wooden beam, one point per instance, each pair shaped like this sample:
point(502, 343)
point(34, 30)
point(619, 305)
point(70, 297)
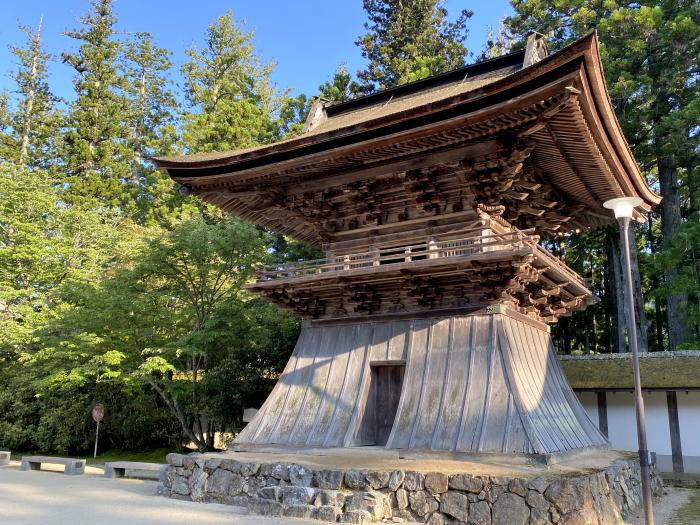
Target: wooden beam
point(675, 430)
point(602, 413)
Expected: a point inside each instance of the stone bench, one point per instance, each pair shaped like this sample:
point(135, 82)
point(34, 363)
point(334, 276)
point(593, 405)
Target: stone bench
point(4, 458)
point(73, 466)
point(117, 469)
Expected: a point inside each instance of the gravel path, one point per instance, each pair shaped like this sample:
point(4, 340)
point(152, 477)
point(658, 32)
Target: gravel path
point(676, 507)
point(50, 498)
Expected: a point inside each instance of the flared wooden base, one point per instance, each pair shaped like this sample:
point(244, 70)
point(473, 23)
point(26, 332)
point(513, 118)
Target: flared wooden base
point(479, 383)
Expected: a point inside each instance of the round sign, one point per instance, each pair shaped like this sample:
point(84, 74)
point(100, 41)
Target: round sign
point(98, 412)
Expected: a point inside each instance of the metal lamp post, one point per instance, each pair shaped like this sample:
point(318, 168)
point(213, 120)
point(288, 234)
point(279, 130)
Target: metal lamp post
point(623, 208)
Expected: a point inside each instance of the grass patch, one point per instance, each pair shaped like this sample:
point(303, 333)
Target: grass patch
point(688, 514)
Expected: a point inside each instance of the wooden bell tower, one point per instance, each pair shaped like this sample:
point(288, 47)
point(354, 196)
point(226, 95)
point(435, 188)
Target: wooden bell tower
point(427, 321)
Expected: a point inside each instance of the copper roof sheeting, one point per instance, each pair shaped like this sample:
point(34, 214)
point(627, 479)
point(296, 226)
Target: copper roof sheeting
point(473, 384)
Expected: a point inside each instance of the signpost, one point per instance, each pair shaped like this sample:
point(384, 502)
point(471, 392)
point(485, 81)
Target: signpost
point(98, 413)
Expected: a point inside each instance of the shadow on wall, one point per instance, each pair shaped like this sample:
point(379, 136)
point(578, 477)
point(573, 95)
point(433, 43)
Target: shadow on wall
point(477, 383)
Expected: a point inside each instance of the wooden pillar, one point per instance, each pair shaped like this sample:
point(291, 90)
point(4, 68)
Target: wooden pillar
point(602, 413)
point(675, 428)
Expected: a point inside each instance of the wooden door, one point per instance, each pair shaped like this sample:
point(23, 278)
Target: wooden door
point(385, 392)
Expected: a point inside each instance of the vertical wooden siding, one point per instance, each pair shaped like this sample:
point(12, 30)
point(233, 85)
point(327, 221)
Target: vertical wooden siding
point(480, 383)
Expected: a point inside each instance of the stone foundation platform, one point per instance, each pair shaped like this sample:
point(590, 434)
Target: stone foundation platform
point(366, 485)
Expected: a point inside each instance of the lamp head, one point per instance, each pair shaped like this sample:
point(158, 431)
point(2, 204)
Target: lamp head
point(623, 206)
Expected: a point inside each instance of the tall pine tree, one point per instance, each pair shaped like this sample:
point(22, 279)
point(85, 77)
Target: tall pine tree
point(151, 125)
point(97, 155)
point(36, 121)
point(232, 99)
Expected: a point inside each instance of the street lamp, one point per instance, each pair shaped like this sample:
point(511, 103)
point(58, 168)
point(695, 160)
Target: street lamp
point(623, 208)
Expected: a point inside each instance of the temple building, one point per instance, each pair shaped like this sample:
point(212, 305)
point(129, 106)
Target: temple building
point(427, 321)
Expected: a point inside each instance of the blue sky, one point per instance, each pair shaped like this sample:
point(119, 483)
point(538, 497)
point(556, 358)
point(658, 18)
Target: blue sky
point(307, 39)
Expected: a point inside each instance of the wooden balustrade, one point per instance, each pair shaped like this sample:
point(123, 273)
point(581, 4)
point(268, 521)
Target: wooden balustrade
point(472, 246)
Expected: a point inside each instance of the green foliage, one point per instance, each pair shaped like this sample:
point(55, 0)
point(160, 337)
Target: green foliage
point(407, 41)
point(650, 52)
point(97, 160)
point(234, 103)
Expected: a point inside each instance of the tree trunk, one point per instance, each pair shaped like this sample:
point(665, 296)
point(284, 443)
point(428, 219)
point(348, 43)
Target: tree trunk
point(642, 324)
point(617, 293)
point(670, 222)
point(175, 408)
point(29, 100)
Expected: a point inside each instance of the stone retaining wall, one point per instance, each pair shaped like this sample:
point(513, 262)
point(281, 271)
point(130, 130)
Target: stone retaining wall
point(359, 496)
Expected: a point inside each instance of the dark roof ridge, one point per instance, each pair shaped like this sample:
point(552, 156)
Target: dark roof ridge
point(454, 75)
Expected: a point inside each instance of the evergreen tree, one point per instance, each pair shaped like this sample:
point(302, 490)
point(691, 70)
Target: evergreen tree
point(234, 103)
point(97, 154)
point(341, 87)
point(407, 41)
point(36, 120)
point(152, 131)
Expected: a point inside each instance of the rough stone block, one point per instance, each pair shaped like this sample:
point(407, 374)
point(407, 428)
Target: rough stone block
point(455, 504)
point(264, 507)
point(510, 509)
point(413, 481)
point(280, 471)
point(565, 495)
point(296, 495)
point(174, 459)
point(328, 479)
point(437, 518)
point(230, 464)
point(493, 492)
point(252, 485)
point(327, 513)
point(378, 480)
point(197, 482)
point(436, 483)
point(299, 511)
point(180, 486)
point(272, 493)
point(479, 513)
point(422, 503)
point(401, 498)
point(375, 503)
point(212, 463)
point(396, 480)
point(466, 482)
point(538, 484)
point(325, 497)
point(536, 500)
point(405, 515)
point(300, 476)
point(219, 481)
point(189, 461)
point(356, 480)
point(248, 469)
point(517, 486)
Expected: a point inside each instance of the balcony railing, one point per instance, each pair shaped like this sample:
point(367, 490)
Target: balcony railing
point(472, 246)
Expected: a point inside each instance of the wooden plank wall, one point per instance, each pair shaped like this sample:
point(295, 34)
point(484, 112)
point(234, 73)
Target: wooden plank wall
point(479, 383)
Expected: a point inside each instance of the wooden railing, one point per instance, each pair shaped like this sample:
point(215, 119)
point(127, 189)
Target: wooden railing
point(471, 246)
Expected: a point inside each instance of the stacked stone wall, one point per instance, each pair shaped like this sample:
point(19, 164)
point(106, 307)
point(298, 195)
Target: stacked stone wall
point(361, 496)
